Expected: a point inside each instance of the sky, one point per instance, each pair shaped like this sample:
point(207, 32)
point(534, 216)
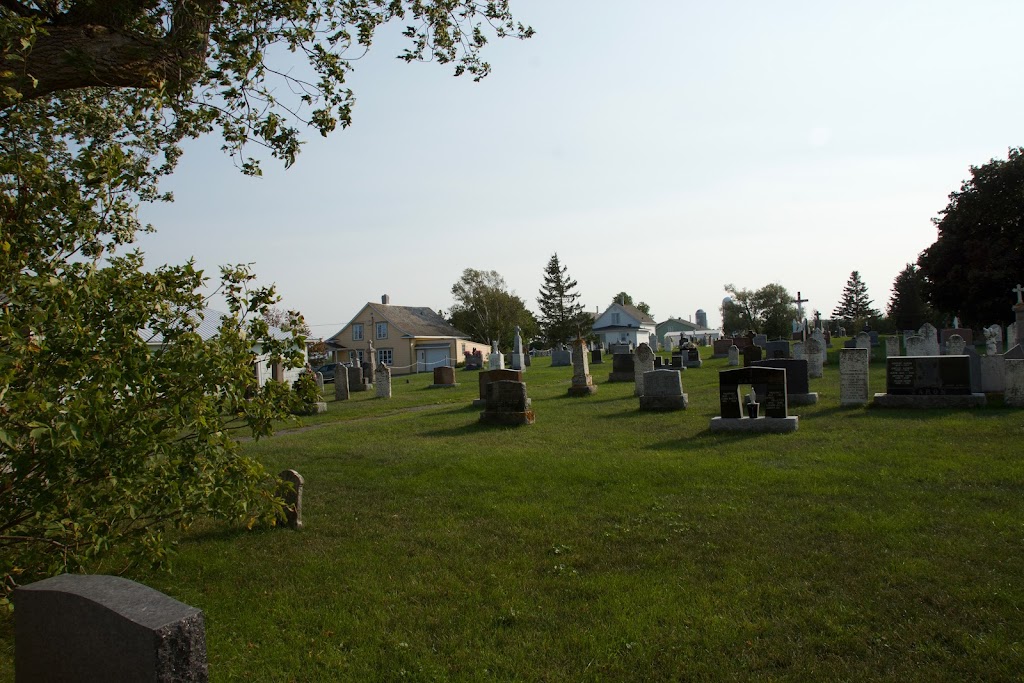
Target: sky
point(664, 149)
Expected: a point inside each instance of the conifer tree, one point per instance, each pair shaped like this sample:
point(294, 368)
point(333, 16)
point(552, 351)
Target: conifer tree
point(561, 316)
point(855, 304)
point(907, 307)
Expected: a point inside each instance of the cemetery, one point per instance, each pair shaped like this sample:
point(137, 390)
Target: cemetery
point(435, 541)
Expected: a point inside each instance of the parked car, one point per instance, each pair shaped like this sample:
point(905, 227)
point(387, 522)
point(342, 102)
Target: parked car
point(327, 371)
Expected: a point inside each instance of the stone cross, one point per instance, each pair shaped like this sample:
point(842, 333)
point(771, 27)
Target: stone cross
point(800, 305)
point(1020, 291)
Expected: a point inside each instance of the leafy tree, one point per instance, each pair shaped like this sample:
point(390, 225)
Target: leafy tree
point(107, 442)
point(907, 308)
point(486, 311)
point(561, 317)
point(854, 306)
point(768, 310)
point(978, 256)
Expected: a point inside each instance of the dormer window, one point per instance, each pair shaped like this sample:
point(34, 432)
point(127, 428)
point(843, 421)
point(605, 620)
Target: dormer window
point(615, 319)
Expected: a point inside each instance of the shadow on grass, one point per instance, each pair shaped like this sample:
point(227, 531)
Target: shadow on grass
point(706, 440)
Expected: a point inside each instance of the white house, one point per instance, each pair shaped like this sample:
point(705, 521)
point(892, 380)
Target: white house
point(625, 324)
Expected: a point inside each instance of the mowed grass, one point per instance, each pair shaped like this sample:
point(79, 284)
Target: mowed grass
point(602, 543)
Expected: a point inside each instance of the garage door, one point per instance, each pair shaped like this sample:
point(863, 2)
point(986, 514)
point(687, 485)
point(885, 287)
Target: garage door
point(428, 359)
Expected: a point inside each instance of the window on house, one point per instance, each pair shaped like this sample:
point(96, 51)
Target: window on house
point(382, 330)
point(385, 356)
point(615, 318)
point(357, 332)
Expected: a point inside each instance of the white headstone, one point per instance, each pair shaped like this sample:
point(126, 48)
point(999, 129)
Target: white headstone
point(1013, 392)
point(382, 381)
point(643, 361)
point(892, 346)
point(917, 346)
point(931, 338)
point(815, 351)
point(955, 345)
point(734, 356)
point(853, 377)
point(798, 350)
point(863, 341)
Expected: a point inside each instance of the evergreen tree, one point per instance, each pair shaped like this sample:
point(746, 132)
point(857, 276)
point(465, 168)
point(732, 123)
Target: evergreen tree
point(561, 316)
point(907, 307)
point(855, 304)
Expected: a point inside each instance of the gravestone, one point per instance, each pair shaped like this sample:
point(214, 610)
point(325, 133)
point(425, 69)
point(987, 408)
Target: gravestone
point(341, 386)
point(663, 391)
point(1011, 335)
point(929, 382)
point(992, 374)
point(720, 347)
point(771, 409)
point(596, 357)
point(561, 358)
point(356, 382)
point(955, 345)
point(291, 492)
point(853, 377)
point(778, 348)
point(582, 383)
point(873, 337)
point(693, 358)
point(475, 360)
point(931, 338)
point(734, 356)
point(484, 380)
point(319, 377)
point(518, 361)
point(79, 628)
point(798, 350)
point(863, 341)
point(760, 340)
point(1013, 391)
point(678, 363)
point(620, 348)
point(798, 392)
point(917, 345)
point(815, 353)
point(752, 353)
point(964, 332)
point(825, 340)
point(892, 346)
point(382, 380)
point(643, 361)
point(444, 377)
point(496, 360)
point(507, 404)
point(622, 368)
point(975, 361)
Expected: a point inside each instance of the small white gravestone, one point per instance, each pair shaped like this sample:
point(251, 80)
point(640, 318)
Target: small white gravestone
point(382, 381)
point(853, 377)
point(1013, 391)
point(815, 358)
point(931, 338)
point(518, 358)
point(495, 361)
point(643, 361)
point(917, 345)
point(955, 345)
point(892, 346)
point(863, 341)
point(734, 356)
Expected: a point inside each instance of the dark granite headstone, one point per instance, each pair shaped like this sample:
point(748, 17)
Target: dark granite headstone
point(750, 354)
point(777, 349)
point(485, 379)
point(797, 381)
point(89, 628)
point(596, 357)
point(928, 375)
point(622, 368)
point(355, 379)
point(444, 376)
point(720, 347)
point(768, 383)
point(507, 404)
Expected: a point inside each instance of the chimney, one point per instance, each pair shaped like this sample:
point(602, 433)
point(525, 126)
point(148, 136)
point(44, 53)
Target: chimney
point(385, 299)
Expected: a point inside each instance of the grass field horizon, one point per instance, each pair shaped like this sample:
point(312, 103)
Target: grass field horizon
point(605, 543)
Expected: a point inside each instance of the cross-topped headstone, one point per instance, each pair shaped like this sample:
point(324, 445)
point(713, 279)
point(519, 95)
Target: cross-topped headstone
point(800, 305)
point(1019, 290)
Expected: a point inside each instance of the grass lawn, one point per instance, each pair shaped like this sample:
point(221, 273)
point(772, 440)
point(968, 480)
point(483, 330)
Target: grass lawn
point(603, 543)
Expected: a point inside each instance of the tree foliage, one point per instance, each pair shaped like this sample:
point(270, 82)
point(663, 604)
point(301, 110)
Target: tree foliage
point(562, 317)
point(107, 442)
point(768, 310)
point(486, 311)
point(907, 308)
point(627, 300)
point(854, 306)
point(978, 257)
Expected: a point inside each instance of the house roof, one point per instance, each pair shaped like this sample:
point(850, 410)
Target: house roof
point(413, 321)
point(685, 324)
point(631, 311)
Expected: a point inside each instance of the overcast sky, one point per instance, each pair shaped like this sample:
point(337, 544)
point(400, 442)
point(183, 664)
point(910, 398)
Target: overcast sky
point(661, 148)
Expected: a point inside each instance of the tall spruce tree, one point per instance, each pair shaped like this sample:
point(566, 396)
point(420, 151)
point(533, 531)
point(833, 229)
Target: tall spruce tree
point(855, 305)
point(907, 308)
point(561, 316)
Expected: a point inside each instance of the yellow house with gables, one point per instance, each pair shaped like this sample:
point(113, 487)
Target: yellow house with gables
point(408, 339)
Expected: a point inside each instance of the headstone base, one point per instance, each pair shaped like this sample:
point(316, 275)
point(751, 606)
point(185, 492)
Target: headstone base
point(769, 425)
point(694, 363)
point(802, 399)
point(442, 386)
point(720, 355)
point(582, 390)
point(361, 387)
point(930, 401)
point(621, 377)
point(507, 419)
point(664, 403)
